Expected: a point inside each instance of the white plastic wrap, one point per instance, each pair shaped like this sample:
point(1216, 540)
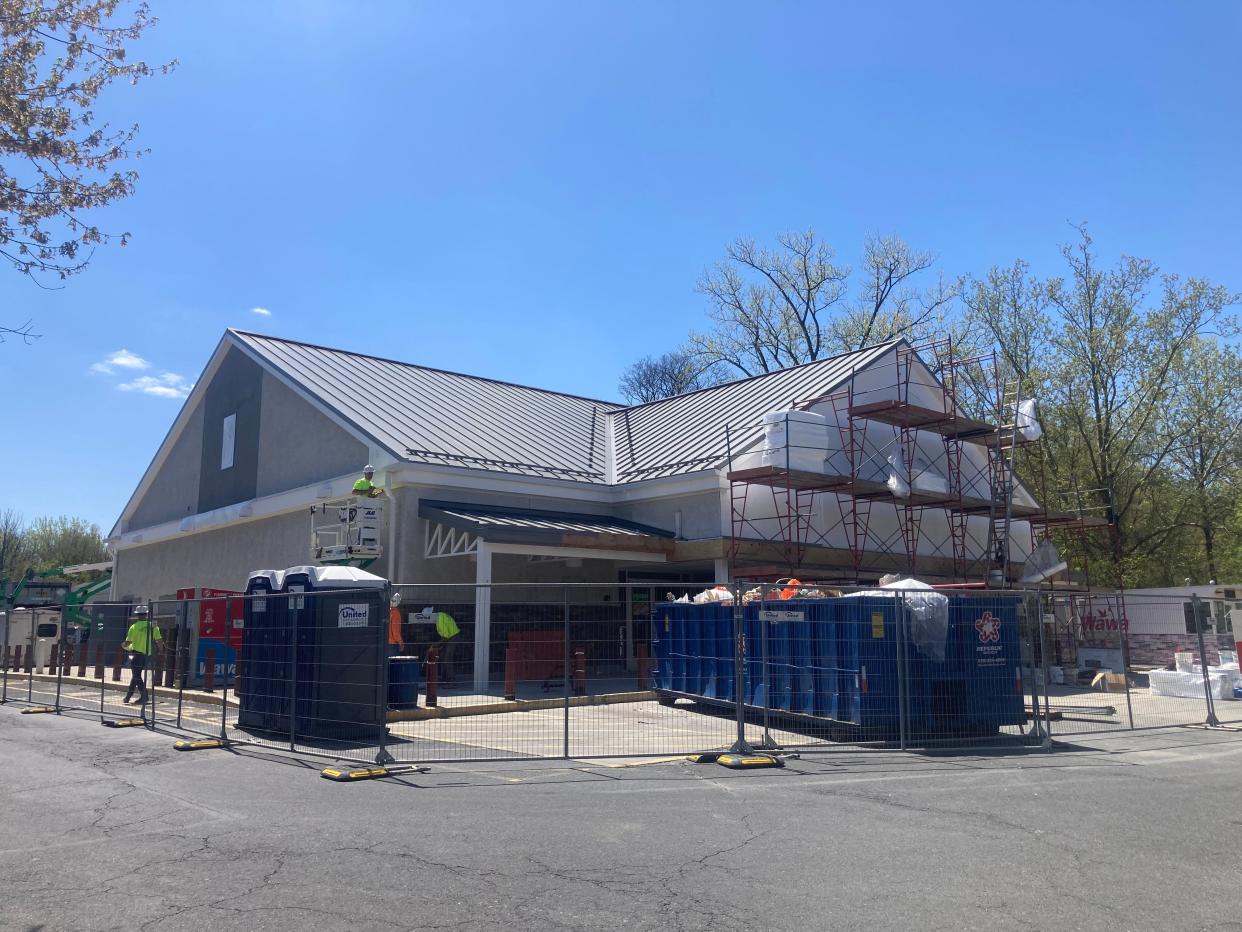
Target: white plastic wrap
point(1189, 685)
point(1029, 427)
point(896, 483)
point(929, 613)
point(795, 440)
point(924, 478)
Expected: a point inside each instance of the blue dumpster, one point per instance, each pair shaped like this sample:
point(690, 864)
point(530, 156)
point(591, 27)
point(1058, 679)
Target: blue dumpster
point(661, 647)
point(692, 649)
point(870, 690)
point(717, 641)
point(403, 682)
point(985, 648)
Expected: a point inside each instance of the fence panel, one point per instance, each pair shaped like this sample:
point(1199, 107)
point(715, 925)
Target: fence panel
point(580, 671)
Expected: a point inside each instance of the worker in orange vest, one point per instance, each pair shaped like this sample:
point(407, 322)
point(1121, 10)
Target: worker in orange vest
point(396, 643)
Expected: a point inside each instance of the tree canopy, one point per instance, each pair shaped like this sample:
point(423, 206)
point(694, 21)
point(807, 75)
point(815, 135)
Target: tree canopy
point(59, 162)
point(1137, 372)
point(47, 543)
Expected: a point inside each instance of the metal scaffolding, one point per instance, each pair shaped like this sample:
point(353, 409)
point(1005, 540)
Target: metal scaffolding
point(968, 405)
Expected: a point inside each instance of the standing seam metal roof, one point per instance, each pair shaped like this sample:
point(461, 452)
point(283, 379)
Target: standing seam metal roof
point(444, 418)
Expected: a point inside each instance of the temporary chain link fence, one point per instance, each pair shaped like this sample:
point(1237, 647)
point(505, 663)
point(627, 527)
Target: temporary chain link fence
point(438, 673)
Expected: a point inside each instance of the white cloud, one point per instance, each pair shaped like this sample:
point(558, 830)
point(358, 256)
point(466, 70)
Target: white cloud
point(164, 385)
point(123, 359)
point(127, 360)
point(261, 311)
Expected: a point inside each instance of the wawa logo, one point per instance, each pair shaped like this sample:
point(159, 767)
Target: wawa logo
point(988, 627)
point(353, 615)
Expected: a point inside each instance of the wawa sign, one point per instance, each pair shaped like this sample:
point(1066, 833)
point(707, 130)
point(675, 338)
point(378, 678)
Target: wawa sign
point(1100, 625)
point(989, 652)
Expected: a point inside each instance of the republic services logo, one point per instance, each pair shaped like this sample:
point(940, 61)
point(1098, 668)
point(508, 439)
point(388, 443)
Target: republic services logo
point(988, 628)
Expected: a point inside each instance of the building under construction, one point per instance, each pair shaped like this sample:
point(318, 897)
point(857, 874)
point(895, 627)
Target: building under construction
point(891, 459)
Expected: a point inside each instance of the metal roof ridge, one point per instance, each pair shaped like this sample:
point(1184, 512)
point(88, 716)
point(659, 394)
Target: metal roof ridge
point(763, 375)
point(236, 331)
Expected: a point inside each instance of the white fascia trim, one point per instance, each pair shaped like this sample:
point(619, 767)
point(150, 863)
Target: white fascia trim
point(279, 503)
point(586, 553)
point(483, 480)
point(647, 490)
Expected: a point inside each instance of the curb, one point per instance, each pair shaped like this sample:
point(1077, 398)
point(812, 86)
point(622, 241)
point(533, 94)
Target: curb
point(518, 705)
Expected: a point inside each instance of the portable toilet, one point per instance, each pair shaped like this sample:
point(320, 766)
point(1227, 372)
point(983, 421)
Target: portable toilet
point(340, 627)
point(265, 676)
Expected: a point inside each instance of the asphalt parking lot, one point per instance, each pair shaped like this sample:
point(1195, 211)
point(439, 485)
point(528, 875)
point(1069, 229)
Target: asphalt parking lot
point(105, 829)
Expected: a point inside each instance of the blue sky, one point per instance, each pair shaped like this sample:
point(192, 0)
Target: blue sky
point(529, 191)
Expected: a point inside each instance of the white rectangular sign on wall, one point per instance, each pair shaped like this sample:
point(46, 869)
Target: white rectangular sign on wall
point(228, 437)
point(782, 616)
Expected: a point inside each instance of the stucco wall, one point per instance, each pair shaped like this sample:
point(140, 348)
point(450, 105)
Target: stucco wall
point(235, 389)
point(173, 493)
point(300, 446)
point(700, 514)
point(219, 559)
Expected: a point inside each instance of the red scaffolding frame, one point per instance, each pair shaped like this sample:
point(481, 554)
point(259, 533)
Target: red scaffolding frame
point(938, 408)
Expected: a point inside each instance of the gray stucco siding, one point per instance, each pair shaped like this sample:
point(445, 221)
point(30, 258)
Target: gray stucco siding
point(235, 389)
point(700, 514)
point(173, 493)
point(222, 558)
point(299, 445)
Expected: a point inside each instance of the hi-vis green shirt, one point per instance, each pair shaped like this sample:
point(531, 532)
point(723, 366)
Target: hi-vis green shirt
point(446, 627)
point(142, 636)
point(364, 485)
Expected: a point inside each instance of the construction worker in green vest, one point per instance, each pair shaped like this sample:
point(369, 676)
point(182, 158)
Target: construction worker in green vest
point(140, 641)
point(366, 487)
point(446, 630)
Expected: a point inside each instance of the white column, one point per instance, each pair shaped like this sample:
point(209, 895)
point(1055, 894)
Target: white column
point(722, 571)
point(393, 512)
point(482, 617)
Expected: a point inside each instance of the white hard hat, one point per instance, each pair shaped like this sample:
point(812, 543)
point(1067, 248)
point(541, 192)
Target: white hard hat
point(368, 468)
point(140, 610)
point(396, 598)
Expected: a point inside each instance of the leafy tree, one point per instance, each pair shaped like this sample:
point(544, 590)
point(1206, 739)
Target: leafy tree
point(58, 162)
point(12, 550)
point(675, 373)
point(1133, 422)
point(779, 307)
point(63, 541)
point(1205, 420)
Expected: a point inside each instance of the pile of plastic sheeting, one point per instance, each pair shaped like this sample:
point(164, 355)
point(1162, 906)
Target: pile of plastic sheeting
point(781, 591)
point(929, 613)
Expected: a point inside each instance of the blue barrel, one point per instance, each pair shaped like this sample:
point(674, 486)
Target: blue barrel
point(403, 682)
